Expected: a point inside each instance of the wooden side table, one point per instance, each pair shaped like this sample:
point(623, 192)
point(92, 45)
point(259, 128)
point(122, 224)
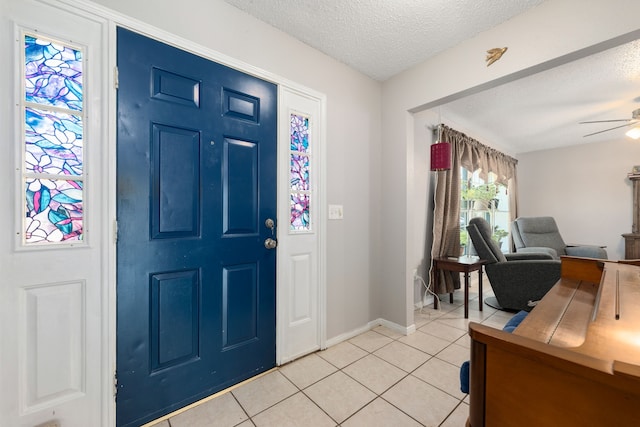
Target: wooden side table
point(466, 265)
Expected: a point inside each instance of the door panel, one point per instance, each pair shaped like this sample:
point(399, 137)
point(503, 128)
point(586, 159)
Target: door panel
point(52, 336)
point(240, 187)
point(301, 284)
point(196, 180)
point(176, 181)
point(174, 319)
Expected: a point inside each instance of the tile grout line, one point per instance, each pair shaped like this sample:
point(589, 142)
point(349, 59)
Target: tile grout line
point(243, 410)
point(376, 395)
point(406, 374)
point(371, 349)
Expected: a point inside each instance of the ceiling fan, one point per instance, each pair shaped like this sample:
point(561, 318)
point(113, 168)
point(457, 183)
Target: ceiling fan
point(635, 118)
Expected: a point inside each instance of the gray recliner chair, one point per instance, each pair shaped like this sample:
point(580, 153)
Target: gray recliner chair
point(541, 234)
point(518, 280)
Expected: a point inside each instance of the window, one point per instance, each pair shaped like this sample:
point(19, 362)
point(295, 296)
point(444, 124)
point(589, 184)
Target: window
point(299, 179)
point(488, 200)
point(52, 145)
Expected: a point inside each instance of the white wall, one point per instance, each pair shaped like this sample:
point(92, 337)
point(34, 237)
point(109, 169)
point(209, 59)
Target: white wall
point(421, 200)
point(554, 32)
point(372, 251)
point(353, 135)
point(585, 188)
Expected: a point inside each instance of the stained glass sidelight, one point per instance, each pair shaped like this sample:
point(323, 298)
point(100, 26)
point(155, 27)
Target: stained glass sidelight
point(53, 74)
point(54, 210)
point(53, 142)
point(299, 133)
point(299, 211)
point(299, 173)
point(53, 162)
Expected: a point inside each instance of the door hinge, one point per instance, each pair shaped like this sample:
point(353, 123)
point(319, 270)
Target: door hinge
point(116, 78)
point(115, 231)
point(115, 384)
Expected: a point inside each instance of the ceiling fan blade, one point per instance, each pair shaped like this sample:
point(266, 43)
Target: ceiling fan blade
point(605, 121)
point(617, 127)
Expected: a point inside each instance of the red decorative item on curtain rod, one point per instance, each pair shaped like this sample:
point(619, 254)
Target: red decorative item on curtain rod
point(440, 156)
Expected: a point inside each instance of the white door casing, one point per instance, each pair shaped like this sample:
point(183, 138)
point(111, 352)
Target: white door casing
point(52, 350)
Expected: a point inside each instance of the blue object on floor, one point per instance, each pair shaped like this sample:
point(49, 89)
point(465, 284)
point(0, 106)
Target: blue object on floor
point(511, 325)
point(464, 377)
point(515, 321)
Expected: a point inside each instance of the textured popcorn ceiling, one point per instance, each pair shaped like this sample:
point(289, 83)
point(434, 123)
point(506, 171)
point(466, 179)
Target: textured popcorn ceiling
point(543, 111)
point(381, 38)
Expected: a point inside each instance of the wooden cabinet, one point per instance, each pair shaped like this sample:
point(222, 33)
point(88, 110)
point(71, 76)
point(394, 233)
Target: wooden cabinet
point(631, 246)
point(574, 361)
point(632, 240)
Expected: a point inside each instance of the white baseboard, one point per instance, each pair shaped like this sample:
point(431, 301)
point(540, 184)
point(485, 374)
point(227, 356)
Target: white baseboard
point(369, 326)
point(425, 302)
point(395, 327)
point(348, 335)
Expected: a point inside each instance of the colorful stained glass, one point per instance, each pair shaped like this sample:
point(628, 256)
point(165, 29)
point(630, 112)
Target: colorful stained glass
point(54, 210)
point(53, 142)
point(299, 174)
point(299, 211)
point(53, 74)
point(299, 133)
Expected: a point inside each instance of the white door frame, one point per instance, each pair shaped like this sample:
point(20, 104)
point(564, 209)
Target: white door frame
point(108, 227)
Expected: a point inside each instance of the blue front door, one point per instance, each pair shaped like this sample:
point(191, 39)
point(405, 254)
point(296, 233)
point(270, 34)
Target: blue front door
point(196, 180)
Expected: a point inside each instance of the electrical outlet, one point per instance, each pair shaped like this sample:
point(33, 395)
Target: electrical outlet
point(415, 274)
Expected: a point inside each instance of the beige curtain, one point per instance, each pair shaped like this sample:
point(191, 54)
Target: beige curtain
point(468, 153)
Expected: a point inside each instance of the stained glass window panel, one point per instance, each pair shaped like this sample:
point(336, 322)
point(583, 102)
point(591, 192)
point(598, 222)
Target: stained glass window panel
point(53, 142)
point(299, 133)
point(299, 211)
point(53, 210)
point(299, 172)
point(53, 165)
point(53, 74)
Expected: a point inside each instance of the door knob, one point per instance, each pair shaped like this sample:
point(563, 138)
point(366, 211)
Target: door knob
point(270, 243)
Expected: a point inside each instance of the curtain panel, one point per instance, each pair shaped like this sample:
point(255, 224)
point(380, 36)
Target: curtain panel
point(468, 153)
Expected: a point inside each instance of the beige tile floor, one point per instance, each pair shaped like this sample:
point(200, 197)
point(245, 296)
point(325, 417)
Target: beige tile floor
point(378, 378)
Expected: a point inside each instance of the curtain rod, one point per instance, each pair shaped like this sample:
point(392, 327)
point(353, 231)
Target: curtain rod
point(472, 141)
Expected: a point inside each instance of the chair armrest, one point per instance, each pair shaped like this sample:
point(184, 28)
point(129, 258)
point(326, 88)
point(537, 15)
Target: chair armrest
point(522, 272)
point(582, 244)
point(518, 256)
point(540, 249)
point(587, 251)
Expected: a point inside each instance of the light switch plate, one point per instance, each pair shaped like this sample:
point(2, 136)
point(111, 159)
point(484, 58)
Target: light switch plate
point(335, 212)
